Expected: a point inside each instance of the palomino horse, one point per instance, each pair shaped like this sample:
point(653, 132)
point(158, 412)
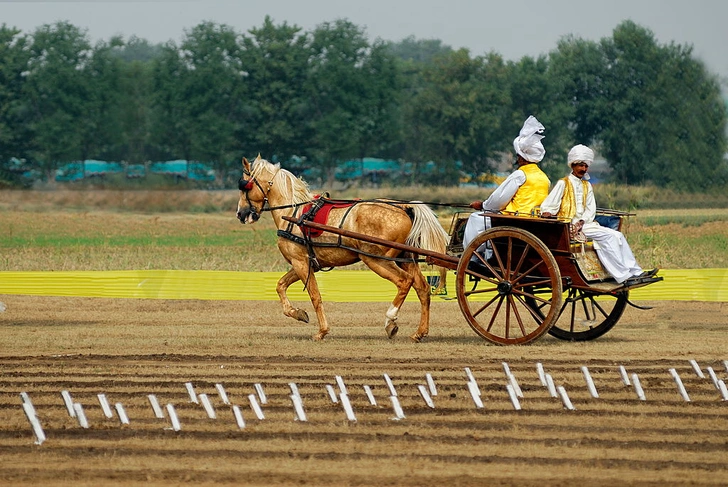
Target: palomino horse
point(267, 187)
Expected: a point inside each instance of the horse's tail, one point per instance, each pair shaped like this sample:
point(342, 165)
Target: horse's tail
point(426, 232)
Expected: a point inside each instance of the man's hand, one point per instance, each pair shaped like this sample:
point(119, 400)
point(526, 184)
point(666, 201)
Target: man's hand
point(476, 205)
point(546, 214)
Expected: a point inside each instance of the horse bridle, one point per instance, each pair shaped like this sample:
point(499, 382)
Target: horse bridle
point(245, 185)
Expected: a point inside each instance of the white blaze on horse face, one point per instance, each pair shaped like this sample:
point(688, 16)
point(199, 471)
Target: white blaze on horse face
point(392, 312)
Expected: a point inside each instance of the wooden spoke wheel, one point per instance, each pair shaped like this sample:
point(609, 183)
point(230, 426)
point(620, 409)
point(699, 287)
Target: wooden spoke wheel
point(586, 315)
point(508, 286)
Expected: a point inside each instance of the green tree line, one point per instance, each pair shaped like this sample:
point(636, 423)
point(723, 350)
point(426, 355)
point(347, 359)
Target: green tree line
point(314, 99)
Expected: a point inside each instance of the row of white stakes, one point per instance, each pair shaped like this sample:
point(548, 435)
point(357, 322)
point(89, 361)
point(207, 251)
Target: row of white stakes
point(515, 393)
point(427, 392)
point(75, 409)
point(342, 396)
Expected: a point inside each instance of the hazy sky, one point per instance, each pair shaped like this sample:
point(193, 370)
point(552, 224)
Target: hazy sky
point(512, 28)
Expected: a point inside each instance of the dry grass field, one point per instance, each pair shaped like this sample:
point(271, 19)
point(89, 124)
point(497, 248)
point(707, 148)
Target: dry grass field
point(129, 348)
point(128, 230)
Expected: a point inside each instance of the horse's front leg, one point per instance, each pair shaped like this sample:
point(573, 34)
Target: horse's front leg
point(306, 274)
point(288, 309)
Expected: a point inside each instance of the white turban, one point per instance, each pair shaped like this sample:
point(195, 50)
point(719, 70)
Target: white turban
point(528, 143)
point(580, 153)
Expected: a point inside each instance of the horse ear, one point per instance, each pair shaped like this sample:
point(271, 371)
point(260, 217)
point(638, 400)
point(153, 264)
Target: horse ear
point(258, 158)
point(246, 165)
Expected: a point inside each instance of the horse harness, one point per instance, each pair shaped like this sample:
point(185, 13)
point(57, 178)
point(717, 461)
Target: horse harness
point(320, 206)
point(312, 208)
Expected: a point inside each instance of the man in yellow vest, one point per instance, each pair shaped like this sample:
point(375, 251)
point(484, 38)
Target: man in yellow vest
point(572, 199)
point(523, 190)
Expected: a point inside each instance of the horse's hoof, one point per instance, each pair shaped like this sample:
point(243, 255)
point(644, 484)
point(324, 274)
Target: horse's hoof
point(318, 337)
point(301, 315)
point(416, 338)
point(391, 330)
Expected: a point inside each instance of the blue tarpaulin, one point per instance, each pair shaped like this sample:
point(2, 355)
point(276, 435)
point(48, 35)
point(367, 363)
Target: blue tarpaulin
point(76, 171)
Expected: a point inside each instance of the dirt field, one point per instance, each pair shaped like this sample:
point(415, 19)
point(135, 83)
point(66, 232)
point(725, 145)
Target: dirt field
point(128, 349)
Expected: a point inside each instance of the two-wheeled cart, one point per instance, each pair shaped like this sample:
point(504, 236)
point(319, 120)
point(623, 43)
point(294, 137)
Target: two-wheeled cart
point(524, 277)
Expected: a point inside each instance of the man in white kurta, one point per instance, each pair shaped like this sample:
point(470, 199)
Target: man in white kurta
point(576, 202)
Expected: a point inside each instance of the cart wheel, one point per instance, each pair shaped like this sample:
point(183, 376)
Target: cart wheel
point(512, 294)
point(586, 315)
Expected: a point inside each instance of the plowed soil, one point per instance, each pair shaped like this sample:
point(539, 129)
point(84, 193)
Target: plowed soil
point(128, 349)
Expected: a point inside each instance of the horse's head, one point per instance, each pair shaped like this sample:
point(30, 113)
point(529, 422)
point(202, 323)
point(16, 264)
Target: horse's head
point(262, 181)
point(253, 195)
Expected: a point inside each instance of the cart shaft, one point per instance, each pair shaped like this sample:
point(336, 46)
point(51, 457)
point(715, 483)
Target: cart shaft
point(432, 257)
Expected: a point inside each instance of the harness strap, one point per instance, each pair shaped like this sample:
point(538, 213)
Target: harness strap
point(310, 245)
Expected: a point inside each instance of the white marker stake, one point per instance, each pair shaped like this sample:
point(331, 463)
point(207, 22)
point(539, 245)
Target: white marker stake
point(697, 370)
point(680, 386)
point(370, 396)
point(255, 406)
point(475, 394)
point(80, 415)
point(514, 397)
point(173, 418)
point(723, 390)
point(121, 413)
point(332, 393)
point(223, 395)
point(713, 377)
point(347, 407)
point(294, 389)
point(623, 374)
point(392, 390)
point(40, 436)
point(158, 413)
point(589, 382)
point(506, 369)
point(398, 413)
point(431, 385)
point(469, 373)
point(298, 407)
point(514, 383)
point(342, 386)
point(541, 374)
point(638, 387)
point(207, 405)
point(261, 394)
point(105, 406)
point(551, 386)
point(191, 392)
point(69, 403)
point(426, 396)
point(565, 398)
point(725, 364)
point(238, 417)
point(26, 400)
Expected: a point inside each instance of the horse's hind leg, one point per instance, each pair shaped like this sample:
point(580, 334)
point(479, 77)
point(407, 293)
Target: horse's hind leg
point(288, 309)
point(423, 294)
point(389, 270)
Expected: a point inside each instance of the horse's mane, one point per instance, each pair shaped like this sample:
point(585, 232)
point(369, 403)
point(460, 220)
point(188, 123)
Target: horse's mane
point(295, 188)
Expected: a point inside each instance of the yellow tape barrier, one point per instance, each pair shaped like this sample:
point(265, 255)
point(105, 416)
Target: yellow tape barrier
point(337, 285)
